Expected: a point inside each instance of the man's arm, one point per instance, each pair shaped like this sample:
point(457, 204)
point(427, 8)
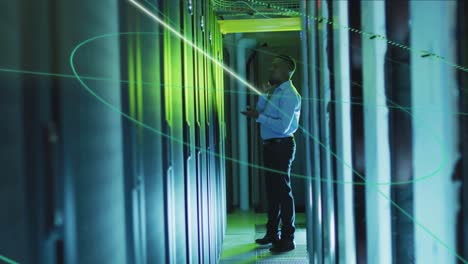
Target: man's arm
point(287, 106)
point(261, 103)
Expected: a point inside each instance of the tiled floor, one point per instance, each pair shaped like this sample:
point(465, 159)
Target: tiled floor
point(239, 243)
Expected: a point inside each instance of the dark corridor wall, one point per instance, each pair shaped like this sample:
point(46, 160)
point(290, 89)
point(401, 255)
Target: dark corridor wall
point(83, 183)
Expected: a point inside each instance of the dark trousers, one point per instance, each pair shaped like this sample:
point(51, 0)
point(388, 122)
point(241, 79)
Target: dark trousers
point(279, 156)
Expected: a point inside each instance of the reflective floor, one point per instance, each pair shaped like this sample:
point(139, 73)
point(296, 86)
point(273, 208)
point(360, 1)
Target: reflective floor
point(242, 230)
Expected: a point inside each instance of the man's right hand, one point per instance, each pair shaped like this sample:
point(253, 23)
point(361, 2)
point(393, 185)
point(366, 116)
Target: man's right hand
point(267, 87)
point(250, 112)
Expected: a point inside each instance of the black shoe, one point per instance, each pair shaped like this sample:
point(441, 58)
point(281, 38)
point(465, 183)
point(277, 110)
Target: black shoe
point(283, 246)
point(267, 239)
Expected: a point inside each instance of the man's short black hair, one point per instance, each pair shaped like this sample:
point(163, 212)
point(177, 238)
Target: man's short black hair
point(291, 62)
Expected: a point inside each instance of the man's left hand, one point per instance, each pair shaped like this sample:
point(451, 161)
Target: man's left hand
point(250, 112)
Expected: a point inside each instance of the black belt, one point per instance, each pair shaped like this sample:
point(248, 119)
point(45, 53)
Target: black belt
point(277, 140)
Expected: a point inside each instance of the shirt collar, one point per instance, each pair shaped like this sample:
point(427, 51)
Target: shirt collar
point(284, 84)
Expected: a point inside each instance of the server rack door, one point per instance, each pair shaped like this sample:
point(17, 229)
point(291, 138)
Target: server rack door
point(43, 179)
point(217, 112)
point(220, 127)
point(223, 137)
point(345, 235)
point(208, 43)
point(131, 56)
point(139, 191)
point(152, 225)
point(91, 129)
point(189, 109)
point(398, 92)
point(462, 226)
point(306, 123)
point(198, 131)
point(316, 254)
point(215, 151)
point(174, 117)
point(203, 201)
point(128, 154)
point(13, 217)
point(326, 169)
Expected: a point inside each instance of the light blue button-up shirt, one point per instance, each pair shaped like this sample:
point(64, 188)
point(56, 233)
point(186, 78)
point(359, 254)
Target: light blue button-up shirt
point(279, 116)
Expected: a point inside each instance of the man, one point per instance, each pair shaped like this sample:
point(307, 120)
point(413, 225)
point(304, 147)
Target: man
point(279, 118)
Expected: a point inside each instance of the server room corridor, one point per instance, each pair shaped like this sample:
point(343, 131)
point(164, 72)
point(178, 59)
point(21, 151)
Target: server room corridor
point(186, 131)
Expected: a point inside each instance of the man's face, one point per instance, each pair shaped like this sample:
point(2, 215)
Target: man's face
point(279, 71)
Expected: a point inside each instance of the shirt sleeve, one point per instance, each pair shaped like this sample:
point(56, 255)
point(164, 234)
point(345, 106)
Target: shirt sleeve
point(261, 103)
point(287, 107)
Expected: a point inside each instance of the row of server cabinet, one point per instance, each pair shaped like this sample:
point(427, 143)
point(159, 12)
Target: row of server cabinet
point(112, 133)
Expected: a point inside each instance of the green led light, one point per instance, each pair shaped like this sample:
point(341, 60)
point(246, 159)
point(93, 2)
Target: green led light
point(139, 86)
point(131, 77)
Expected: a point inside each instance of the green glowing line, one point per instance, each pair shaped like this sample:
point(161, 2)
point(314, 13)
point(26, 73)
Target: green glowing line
point(147, 84)
point(201, 88)
point(7, 260)
point(62, 75)
point(139, 86)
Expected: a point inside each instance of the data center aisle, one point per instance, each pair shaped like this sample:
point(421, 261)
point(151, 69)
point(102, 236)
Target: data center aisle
point(244, 228)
